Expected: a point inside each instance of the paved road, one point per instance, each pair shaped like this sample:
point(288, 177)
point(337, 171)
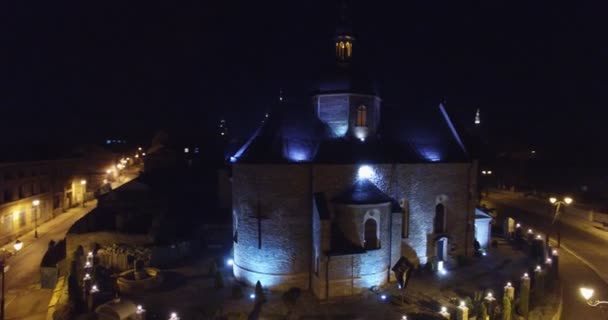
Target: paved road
point(25, 299)
point(573, 271)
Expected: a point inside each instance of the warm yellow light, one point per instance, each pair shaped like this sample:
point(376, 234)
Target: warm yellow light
point(105, 181)
point(108, 171)
point(552, 200)
point(483, 172)
point(36, 202)
point(136, 156)
point(568, 200)
point(18, 245)
point(490, 172)
point(83, 182)
point(587, 293)
point(139, 148)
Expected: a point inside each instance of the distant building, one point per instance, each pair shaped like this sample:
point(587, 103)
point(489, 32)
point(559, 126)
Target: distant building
point(52, 182)
point(329, 196)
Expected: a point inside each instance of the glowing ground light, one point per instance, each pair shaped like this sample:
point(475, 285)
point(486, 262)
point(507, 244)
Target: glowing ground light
point(229, 262)
point(383, 297)
point(252, 296)
point(140, 309)
point(365, 172)
point(526, 276)
point(94, 289)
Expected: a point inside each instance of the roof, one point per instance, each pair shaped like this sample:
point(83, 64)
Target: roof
point(292, 133)
point(480, 214)
point(362, 191)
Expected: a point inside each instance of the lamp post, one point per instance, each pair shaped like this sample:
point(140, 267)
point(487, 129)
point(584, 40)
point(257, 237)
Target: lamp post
point(587, 294)
point(83, 183)
point(4, 267)
point(35, 205)
point(558, 203)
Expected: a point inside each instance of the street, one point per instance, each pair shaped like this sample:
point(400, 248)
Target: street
point(24, 297)
point(580, 254)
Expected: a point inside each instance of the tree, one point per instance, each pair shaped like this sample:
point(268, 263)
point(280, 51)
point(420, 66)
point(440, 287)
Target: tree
point(506, 308)
point(524, 299)
point(259, 293)
point(290, 299)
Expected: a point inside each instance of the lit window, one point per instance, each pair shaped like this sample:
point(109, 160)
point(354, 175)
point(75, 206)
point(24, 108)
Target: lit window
point(361, 116)
point(349, 49)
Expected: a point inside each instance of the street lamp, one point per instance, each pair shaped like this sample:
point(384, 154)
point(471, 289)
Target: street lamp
point(84, 186)
point(558, 203)
point(35, 205)
point(587, 293)
point(174, 316)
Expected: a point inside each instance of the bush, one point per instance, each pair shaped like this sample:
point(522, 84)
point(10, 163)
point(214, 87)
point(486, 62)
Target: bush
point(237, 292)
point(290, 298)
point(259, 293)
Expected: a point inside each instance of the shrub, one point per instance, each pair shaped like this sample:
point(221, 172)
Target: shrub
point(290, 298)
point(259, 293)
point(506, 308)
point(524, 300)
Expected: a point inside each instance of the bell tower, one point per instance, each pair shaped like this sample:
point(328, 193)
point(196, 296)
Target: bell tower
point(344, 39)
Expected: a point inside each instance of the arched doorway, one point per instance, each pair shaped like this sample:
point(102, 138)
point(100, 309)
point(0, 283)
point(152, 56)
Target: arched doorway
point(371, 235)
point(441, 247)
point(440, 218)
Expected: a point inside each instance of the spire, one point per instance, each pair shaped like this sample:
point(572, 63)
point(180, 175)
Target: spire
point(477, 118)
point(344, 39)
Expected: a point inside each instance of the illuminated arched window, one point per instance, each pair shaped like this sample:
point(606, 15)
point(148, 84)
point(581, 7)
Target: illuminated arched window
point(349, 49)
point(361, 116)
point(371, 235)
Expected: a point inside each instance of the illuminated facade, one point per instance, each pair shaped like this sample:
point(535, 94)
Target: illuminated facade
point(329, 196)
point(51, 182)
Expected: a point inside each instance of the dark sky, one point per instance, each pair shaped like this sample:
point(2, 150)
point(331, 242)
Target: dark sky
point(84, 70)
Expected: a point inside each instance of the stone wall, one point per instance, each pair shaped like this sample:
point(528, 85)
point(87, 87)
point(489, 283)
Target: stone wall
point(285, 200)
point(281, 194)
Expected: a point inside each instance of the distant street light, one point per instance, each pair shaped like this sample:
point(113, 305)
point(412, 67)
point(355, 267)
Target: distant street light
point(558, 203)
point(587, 294)
point(174, 316)
point(35, 205)
point(84, 186)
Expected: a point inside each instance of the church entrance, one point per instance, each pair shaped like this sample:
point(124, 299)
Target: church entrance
point(442, 249)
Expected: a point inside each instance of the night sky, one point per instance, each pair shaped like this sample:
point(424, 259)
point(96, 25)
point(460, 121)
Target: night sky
point(82, 71)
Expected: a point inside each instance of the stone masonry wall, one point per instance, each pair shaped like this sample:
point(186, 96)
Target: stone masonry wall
point(281, 194)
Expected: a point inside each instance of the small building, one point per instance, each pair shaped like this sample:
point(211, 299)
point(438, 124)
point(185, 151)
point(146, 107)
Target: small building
point(483, 228)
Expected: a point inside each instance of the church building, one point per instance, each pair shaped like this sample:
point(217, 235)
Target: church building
point(330, 195)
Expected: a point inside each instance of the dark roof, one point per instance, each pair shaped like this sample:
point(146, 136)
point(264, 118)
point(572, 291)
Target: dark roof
point(362, 191)
point(292, 133)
